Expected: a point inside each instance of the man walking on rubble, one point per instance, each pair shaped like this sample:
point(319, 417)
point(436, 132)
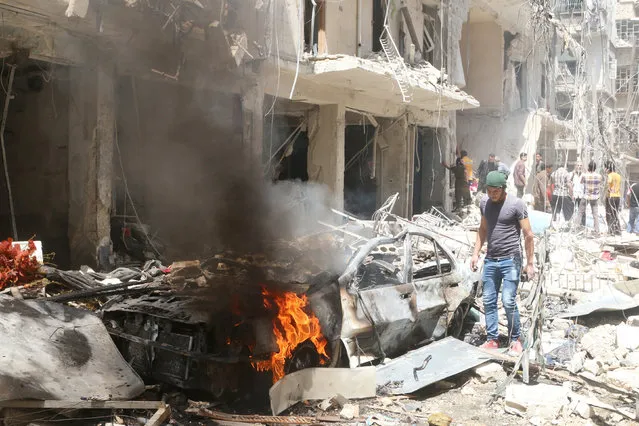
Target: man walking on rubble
point(578, 191)
point(503, 218)
point(540, 188)
point(591, 182)
point(519, 174)
point(613, 199)
point(561, 194)
point(485, 167)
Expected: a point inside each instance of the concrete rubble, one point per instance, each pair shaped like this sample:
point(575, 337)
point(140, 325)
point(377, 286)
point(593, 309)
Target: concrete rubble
point(594, 371)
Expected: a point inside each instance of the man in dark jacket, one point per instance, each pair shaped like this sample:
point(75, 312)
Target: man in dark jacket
point(485, 167)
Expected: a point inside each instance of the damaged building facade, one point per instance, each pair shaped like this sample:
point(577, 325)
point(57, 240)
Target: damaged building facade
point(136, 107)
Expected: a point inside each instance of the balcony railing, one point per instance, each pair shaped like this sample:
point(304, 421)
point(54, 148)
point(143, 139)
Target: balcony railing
point(570, 6)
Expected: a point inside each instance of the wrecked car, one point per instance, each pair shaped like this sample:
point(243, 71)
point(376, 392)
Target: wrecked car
point(247, 315)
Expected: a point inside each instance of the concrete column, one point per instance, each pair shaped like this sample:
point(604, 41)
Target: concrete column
point(448, 150)
point(396, 141)
point(253, 118)
point(81, 174)
point(326, 150)
point(105, 144)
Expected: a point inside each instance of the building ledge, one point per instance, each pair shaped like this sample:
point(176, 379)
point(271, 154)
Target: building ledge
point(375, 78)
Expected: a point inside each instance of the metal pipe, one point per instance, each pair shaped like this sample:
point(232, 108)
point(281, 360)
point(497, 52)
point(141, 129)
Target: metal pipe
point(313, 28)
point(5, 113)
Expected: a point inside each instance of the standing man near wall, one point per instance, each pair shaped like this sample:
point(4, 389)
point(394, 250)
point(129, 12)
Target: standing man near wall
point(613, 199)
point(462, 189)
point(592, 182)
point(539, 163)
point(503, 218)
point(519, 174)
point(468, 165)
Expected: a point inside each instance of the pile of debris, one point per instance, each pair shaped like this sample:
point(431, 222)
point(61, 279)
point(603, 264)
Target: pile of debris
point(359, 323)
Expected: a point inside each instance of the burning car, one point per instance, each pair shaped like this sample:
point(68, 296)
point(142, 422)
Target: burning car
point(240, 317)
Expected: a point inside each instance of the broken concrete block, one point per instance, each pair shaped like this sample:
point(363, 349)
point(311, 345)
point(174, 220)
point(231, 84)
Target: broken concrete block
point(349, 412)
point(541, 399)
point(561, 324)
point(627, 378)
point(594, 366)
point(633, 321)
point(186, 269)
point(632, 359)
point(439, 419)
point(577, 362)
point(584, 410)
point(326, 405)
point(599, 342)
point(468, 390)
point(620, 353)
point(490, 371)
point(627, 337)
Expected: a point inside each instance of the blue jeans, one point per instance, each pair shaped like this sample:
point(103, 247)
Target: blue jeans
point(506, 271)
point(632, 222)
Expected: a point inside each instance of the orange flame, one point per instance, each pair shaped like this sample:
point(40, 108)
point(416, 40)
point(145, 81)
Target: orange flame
point(292, 326)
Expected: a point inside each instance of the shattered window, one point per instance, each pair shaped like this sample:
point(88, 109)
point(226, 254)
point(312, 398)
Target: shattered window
point(626, 79)
point(428, 258)
point(628, 30)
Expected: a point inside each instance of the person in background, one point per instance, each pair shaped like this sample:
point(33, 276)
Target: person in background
point(540, 188)
point(562, 194)
point(519, 175)
point(501, 167)
point(468, 164)
point(503, 219)
point(462, 190)
point(632, 201)
point(484, 168)
point(578, 190)
point(539, 163)
point(613, 199)
point(592, 183)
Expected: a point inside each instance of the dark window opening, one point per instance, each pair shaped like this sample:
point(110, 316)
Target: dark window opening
point(294, 165)
point(428, 179)
point(572, 67)
point(360, 190)
point(378, 24)
point(312, 25)
point(508, 39)
point(520, 73)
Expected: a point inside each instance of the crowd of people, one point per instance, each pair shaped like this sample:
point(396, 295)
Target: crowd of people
point(566, 194)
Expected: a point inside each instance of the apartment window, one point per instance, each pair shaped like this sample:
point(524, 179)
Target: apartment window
point(628, 30)
point(378, 24)
point(570, 6)
point(626, 79)
point(572, 67)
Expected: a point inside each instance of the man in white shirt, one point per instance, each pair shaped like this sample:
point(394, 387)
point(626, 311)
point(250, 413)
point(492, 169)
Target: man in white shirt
point(578, 189)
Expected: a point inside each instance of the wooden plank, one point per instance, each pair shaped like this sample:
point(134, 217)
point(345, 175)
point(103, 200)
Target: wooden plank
point(123, 405)
point(160, 416)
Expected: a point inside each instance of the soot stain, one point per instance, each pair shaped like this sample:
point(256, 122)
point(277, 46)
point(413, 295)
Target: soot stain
point(74, 347)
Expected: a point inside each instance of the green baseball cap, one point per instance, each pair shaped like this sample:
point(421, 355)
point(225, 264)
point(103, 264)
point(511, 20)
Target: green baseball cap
point(496, 179)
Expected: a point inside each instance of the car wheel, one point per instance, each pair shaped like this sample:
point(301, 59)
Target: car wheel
point(456, 324)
